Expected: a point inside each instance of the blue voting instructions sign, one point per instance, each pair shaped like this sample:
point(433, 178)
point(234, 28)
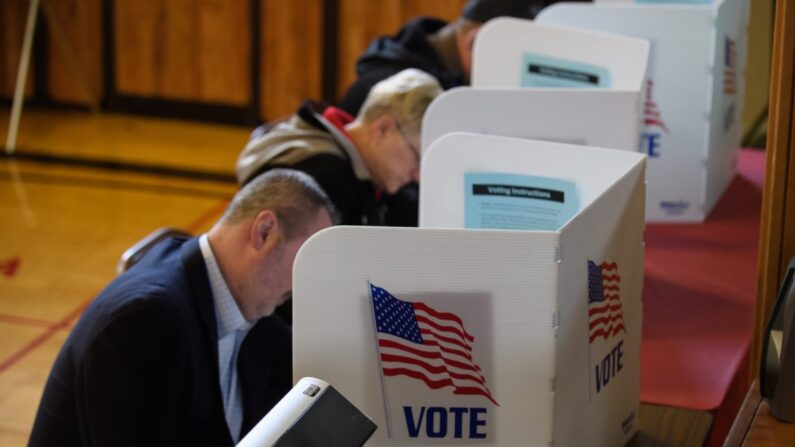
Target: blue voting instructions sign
point(500, 201)
point(545, 71)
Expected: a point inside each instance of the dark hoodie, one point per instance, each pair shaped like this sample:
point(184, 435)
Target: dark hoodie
point(387, 55)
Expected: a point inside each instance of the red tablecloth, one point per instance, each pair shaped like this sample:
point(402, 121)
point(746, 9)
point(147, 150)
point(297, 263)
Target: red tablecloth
point(699, 293)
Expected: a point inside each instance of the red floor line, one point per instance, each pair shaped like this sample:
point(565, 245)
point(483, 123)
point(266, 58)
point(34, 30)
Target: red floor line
point(25, 321)
point(41, 339)
point(65, 322)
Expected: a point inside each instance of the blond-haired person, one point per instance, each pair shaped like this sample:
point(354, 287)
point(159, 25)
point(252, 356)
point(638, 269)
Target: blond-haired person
point(355, 160)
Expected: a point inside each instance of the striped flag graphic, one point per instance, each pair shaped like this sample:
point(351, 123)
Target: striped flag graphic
point(730, 67)
point(418, 341)
point(651, 113)
point(605, 316)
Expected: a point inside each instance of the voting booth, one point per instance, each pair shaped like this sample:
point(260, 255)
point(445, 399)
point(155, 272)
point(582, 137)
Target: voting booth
point(548, 83)
point(693, 100)
point(510, 52)
point(561, 115)
point(455, 336)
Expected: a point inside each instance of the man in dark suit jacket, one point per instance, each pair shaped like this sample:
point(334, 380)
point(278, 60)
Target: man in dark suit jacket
point(154, 359)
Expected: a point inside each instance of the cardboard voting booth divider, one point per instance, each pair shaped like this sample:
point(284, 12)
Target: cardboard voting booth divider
point(548, 83)
point(563, 115)
point(694, 94)
point(510, 52)
point(449, 336)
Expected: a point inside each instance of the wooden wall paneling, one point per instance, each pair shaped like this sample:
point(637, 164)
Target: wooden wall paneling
point(757, 67)
point(225, 33)
point(291, 58)
point(788, 224)
point(776, 230)
point(443, 9)
point(81, 23)
point(12, 29)
point(361, 21)
point(188, 50)
point(135, 56)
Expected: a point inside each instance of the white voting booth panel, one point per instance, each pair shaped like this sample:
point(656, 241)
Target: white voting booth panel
point(506, 356)
point(693, 99)
point(503, 45)
point(562, 115)
point(601, 107)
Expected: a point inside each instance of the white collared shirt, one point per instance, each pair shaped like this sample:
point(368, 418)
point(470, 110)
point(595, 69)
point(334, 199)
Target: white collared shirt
point(232, 328)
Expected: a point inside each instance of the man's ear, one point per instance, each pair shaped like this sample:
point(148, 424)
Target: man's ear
point(264, 230)
point(464, 44)
point(469, 38)
point(382, 125)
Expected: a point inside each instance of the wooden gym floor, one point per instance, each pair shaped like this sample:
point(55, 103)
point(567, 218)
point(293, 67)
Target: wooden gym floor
point(82, 189)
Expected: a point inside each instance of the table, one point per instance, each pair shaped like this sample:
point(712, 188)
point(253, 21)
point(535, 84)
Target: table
point(666, 426)
point(755, 426)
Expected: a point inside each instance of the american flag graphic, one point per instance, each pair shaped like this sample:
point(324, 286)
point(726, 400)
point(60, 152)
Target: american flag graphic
point(605, 316)
point(417, 341)
point(730, 67)
point(651, 113)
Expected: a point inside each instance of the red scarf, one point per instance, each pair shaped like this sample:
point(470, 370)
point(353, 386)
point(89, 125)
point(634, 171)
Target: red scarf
point(339, 118)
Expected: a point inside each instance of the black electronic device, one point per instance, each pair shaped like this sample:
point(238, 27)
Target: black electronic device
point(777, 373)
point(312, 414)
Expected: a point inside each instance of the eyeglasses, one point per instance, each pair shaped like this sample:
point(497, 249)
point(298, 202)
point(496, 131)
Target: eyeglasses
point(406, 139)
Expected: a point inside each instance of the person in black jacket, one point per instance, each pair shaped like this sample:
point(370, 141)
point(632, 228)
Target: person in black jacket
point(437, 47)
point(442, 49)
point(181, 349)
